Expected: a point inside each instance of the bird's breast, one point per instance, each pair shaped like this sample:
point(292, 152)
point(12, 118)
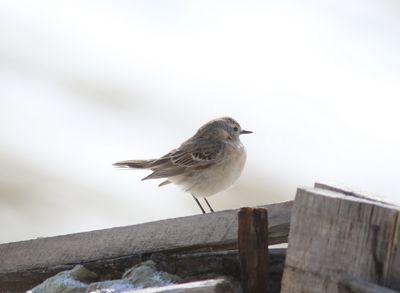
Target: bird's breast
point(219, 177)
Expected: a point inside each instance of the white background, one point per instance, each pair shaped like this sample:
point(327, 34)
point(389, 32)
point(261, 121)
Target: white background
point(86, 83)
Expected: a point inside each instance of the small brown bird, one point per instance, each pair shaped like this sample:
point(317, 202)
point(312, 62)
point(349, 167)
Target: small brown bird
point(205, 164)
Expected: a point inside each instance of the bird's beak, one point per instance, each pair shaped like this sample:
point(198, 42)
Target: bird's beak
point(246, 132)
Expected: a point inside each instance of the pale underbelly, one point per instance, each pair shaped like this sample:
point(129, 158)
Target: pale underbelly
point(212, 180)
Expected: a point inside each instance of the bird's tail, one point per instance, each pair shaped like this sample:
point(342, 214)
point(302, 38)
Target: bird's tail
point(136, 164)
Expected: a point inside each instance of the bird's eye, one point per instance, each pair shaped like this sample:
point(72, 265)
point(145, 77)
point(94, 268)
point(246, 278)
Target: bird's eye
point(235, 128)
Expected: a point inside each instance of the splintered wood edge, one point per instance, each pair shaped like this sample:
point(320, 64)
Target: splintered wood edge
point(347, 194)
point(351, 192)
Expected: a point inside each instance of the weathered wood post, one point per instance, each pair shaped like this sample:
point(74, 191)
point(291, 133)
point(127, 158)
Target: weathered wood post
point(253, 249)
point(192, 246)
point(336, 235)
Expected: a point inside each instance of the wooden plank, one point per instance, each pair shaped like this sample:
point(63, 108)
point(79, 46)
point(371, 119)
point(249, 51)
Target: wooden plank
point(218, 263)
point(334, 233)
point(188, 266)
point(42, 257)
point(219, 285)
point(348, 191)
point(253, 249)
point(350, 284)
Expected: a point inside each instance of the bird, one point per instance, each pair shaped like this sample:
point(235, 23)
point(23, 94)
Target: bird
point(207, 163)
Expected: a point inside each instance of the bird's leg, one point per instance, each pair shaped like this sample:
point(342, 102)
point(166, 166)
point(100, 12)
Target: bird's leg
point(209, 206)
point(198, 203)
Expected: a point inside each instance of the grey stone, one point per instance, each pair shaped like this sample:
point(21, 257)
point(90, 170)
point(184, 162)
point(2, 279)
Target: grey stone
point(146, 275)
point(140, 276)
point(75, 280)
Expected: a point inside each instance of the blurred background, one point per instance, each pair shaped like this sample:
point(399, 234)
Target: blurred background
point(84, 84)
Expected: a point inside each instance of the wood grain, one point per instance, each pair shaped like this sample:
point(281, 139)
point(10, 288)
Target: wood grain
point(205, 286)
point(350, 284)
point(334, 233)
point(37, 259)
point(253, 249)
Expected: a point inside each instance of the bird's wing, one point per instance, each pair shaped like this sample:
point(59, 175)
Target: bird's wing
point(197, 156)
point(192, 155)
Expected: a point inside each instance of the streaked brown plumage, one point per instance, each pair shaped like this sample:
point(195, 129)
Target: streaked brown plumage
point(205, 164)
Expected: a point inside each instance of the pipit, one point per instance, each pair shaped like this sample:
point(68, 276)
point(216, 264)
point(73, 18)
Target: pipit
point(205, 164)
